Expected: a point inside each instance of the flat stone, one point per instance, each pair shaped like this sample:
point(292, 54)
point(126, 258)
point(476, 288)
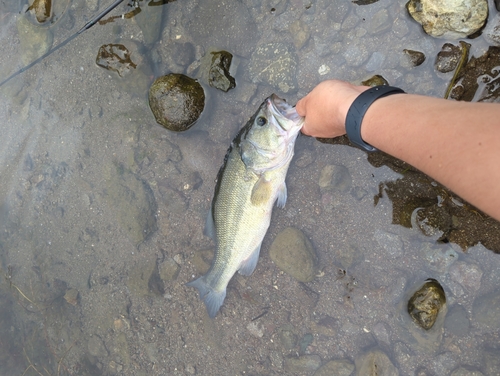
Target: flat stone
point(375, 362)
point(293, 253)
point(276, 65)
point(335, 367)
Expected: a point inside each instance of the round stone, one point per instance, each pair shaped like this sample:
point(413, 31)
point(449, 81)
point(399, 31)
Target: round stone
point(177, 101)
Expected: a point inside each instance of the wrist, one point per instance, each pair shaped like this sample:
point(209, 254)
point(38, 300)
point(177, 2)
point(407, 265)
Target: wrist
point(358, 109)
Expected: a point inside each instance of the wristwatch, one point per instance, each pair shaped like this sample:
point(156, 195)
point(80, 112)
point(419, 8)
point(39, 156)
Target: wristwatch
point(358, 109)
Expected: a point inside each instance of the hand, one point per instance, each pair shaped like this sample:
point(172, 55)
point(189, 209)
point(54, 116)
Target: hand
point(325, 108)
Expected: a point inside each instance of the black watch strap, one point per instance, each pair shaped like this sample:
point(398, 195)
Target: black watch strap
point(358, 109)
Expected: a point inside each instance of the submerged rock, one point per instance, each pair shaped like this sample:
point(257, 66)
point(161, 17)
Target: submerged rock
point(177, 101)
point(218, 73)
point(304, 364)
point(447, 59)
point(375, 362)
point(416, 57)
point(42, 9)
point(479, 80)
point(335, 367)
point(133, 202)
point(35, 40)
point(150, 20)
point(487, 311)
point(116, 58)
point(293, 253)
point(376, 80)
point(426, 303)
point(451, 19)
point(276, 65)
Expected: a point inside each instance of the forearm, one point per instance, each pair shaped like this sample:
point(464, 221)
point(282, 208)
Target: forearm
point(456, 143)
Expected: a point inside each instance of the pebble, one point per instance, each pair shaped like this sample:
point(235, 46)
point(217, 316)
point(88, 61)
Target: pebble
point(391, 243)
point(303, 364)
point(467, 275)
point(456, 321)
point(169, 269)
point(375, 362)
point(276, 65)
point(486, 311)
point(462, 371)
point(335, 367)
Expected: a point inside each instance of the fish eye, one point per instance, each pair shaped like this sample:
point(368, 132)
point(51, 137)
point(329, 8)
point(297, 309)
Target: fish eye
point(261, 121)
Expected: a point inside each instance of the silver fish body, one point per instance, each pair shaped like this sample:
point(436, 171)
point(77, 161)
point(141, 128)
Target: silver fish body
point(250, 181)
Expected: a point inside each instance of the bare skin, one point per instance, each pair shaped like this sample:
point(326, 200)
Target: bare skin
point(456, 143)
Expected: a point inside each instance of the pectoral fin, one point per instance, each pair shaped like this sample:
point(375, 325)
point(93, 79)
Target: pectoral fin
point(261, 192)
point(282, 195)
point(209, 225)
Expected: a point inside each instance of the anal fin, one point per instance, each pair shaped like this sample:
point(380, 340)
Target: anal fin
point(248, 266)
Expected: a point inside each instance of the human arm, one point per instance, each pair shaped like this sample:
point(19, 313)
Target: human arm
point(456, 143)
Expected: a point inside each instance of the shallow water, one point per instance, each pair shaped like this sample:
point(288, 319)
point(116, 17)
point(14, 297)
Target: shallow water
point(95, 196)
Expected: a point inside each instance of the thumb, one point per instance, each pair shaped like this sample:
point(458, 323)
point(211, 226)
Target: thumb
point(300, 107)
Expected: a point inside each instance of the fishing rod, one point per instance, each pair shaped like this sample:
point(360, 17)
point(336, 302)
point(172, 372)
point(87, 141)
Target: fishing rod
point(87, 26)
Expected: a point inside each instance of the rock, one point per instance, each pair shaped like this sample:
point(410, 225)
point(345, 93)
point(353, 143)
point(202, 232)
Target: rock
point(300, 33)
point(451, 19)
point(335, 367)
point(72, 296)
point(480, 79)
point(379, 22)
point(255, 329)
point(335, 177)
point(487, 310)
point(116, 58)
point(230, 27)
point(293, 253)
point(287, 337)
point(182, 54)
point(456, 321)
point(468, 275)
point(134, 203)
point(376, 80)
point(218, 72)
point(168, 269)
point(302, 365)
point(462, 371)
point(42, 9)
point(375, 362)
point(425, 304)
point(35, 41)
point(438, 258)
point(447, 59)
point(274, 64)
point(391, 243)
point(492, 30)
point(416, 57)
point(150, 20)
point(177, 101)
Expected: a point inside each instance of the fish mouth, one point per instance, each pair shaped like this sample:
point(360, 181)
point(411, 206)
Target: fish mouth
point(283, 111)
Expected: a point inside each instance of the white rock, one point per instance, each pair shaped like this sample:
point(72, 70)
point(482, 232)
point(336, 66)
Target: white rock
point(452, 19)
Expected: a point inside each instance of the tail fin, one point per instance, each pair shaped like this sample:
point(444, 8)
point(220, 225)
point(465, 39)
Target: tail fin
point(213, 299)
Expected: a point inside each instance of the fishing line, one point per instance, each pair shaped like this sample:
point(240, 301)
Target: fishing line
point(87, 26)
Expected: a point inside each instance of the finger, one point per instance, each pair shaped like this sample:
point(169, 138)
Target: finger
point(300, 107)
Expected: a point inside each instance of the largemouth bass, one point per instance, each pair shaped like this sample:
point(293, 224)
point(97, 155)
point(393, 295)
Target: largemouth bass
point(249, 182)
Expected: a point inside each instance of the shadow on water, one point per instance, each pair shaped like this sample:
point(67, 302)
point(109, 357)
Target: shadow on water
point(102, 210)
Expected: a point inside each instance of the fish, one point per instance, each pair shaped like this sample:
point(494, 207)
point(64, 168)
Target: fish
point(249, 183)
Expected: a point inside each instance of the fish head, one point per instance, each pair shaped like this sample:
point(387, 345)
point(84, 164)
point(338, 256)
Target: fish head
point(270, 135)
